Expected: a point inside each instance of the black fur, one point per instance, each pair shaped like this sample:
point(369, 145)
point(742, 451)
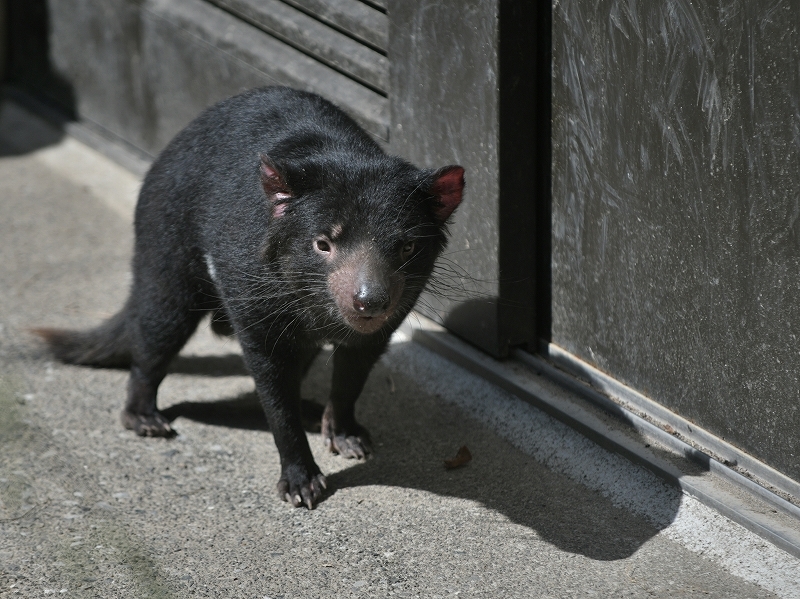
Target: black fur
point(278, 214)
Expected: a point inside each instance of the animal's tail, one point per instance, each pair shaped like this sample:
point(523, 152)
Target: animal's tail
point(107, 345)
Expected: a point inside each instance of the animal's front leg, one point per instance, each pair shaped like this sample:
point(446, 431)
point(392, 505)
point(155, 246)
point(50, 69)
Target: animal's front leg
point(278, 378)
point(342, 433)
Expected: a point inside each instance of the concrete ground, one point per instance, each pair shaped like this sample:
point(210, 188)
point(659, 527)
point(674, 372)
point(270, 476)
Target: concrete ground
point(88, 509)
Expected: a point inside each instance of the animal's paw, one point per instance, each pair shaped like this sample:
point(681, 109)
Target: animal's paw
point(356, 446)
point(349, 442)
point(147, 425)
point(297, 487)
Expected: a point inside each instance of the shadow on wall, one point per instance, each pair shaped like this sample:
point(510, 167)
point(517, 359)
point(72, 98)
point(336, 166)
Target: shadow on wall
point(413, 433)
point(27, 70)
point(20, 134)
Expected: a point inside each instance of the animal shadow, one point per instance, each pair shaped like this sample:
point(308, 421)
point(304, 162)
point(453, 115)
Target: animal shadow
point(243, 411)
point(414, 432)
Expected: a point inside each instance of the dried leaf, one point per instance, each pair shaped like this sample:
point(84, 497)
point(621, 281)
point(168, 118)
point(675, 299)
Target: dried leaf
point(462, 457)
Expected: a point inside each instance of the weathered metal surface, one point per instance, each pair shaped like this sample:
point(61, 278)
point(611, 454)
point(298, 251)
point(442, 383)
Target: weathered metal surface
point(242, 54)
point(360, 19)
point(315, 38)
point(464, 91)
point(141, 71)
point(445, 110)
point(676, 198)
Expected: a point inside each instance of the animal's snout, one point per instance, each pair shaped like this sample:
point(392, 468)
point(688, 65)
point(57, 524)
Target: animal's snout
point(371, 298)
point(366, 289)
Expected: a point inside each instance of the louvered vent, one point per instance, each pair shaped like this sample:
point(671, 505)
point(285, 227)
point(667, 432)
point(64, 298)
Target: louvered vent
point(349, 37)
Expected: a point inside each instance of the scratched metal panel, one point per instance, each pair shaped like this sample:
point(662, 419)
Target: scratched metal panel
point(470, 86)
point(676, 197)
point(445, 110)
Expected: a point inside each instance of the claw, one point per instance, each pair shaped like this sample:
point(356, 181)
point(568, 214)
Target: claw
point(308, 498)
point(351, 447)
point(283, 490)
point(302, 493)
point(147, 425)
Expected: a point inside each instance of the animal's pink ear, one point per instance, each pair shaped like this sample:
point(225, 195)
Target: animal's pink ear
point(278, 192)
point(447, 188)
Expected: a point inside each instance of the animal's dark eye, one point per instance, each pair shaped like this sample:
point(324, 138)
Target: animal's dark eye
point(407, 249)
point(323, 246)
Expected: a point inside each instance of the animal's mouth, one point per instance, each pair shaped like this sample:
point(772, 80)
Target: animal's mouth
point(366, 324)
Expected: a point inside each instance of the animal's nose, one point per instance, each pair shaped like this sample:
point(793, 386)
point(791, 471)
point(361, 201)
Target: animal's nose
point(371, 300)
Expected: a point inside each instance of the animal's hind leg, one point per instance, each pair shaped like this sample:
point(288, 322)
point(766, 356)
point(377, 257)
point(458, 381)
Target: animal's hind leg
point(159, 325)
point(140, 413)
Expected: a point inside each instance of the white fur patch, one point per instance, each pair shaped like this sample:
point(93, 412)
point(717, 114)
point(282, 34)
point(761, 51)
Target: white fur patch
point(211, 270)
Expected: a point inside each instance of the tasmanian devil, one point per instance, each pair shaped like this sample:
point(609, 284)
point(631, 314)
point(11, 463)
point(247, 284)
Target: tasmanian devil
point(275, 212)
